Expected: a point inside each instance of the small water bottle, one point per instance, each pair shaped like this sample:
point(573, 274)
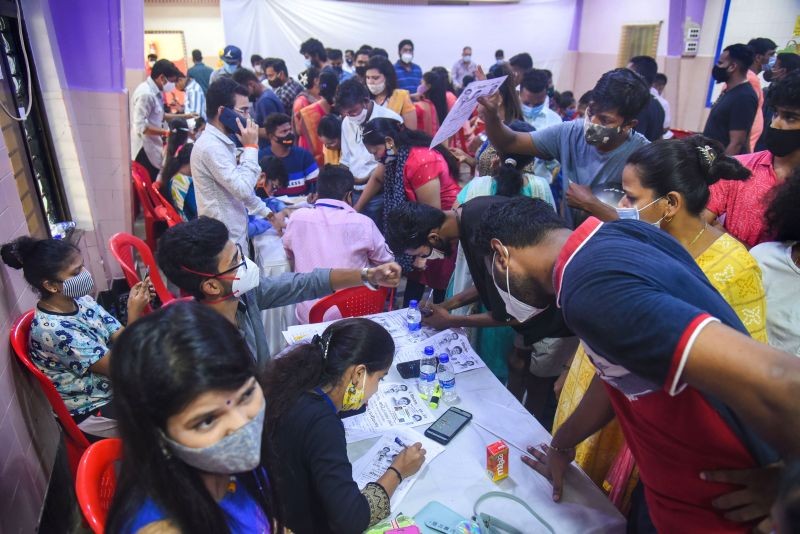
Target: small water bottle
point(60, 230)
point(427, 372)
point(447, 379)
point(413, 317)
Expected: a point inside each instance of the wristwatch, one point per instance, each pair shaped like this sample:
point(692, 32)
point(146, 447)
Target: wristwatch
point(365, 279)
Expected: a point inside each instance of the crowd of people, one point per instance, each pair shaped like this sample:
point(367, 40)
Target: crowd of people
point(639, 293)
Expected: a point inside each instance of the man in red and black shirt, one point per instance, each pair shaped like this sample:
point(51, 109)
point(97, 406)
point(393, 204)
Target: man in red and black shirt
point(691, 390)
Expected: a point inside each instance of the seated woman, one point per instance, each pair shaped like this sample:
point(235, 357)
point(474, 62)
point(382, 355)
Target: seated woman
point(432, 106)
point(311, 115)
point(382, 84)
point(71, 334)
point(307, 388)
point(417, 173)
point(780, 266)
point(177, 184)
point(667, 185)
point(191, 417)
point(329, 131)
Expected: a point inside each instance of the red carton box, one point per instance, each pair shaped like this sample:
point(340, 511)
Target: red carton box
point(497, 461)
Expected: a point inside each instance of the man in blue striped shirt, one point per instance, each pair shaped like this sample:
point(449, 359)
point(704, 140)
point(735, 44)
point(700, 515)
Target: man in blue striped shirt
point(195, 97)
point(409, 74)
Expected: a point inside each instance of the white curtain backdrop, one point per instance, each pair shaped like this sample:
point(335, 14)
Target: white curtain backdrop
point(275, 28)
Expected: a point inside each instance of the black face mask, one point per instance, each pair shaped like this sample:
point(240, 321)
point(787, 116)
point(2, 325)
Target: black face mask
point(782, 142)
point(274, 83)
point(361, 71)
point(720, 74)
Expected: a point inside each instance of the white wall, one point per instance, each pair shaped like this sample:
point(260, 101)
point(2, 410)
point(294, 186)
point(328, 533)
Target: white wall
point(602, 22)
point(765, 18)
point(201, 26)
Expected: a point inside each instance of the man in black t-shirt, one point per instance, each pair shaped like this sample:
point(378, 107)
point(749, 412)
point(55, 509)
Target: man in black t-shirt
point(650, 121)
point(423, 231)
point(733, 113)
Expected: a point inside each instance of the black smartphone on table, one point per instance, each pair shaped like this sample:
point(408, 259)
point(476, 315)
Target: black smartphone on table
point(408, 369)
point(444, 429)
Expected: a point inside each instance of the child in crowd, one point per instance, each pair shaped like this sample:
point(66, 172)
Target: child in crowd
point(71, 335)
point(177, 184)
point(273, 177)
point(191, 417)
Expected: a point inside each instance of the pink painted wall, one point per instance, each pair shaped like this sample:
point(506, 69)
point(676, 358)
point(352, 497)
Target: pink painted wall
point(28, 434)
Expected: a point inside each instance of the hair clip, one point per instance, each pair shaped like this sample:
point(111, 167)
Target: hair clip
point(177, 150)
point(303, 78)
point(510, 161)
point(323, 344)
point(708, 154)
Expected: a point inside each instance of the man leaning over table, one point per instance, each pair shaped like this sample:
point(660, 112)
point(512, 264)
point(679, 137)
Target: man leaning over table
point(202, 260)
point(692, 391)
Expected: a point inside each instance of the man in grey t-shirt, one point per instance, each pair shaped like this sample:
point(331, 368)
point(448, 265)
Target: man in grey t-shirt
point(591, 151)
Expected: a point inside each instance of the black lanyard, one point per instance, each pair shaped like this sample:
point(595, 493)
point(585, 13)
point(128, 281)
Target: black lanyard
point(328, 206)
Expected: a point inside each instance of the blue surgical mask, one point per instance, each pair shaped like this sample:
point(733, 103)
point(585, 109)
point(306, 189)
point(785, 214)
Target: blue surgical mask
point(230, 68)
point(633, 213)
point(308, 63)
point(531, 112)
point(771, 62)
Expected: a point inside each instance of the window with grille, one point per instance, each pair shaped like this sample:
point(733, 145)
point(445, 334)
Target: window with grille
point(28, 142)
point(638, 40)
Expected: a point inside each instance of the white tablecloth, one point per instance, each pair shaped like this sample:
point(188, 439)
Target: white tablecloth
point(457, 477)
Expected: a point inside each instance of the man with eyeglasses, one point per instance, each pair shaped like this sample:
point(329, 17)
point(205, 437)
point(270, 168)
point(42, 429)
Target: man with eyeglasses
point(225, 161)
point(199, 257)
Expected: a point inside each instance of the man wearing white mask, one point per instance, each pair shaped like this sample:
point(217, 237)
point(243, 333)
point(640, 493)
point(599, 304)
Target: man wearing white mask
point(147, 116)
point(463, 67)
point(409, 74)
point(544, 344)
point(356, 107)
point(231, 60)
point(199, 257)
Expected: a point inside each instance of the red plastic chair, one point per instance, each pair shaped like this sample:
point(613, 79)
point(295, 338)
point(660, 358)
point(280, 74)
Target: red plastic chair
point(141, 184)
point(352, 302)
point(163, 208)
point(681, 134)
point(122, 246)
point(97, 480)
point(76, 443)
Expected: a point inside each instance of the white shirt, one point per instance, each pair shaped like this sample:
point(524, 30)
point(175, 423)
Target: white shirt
point(781, 278)
point(147, 109)
point(195, 99)
point(354, 154)
point(664, 104)
point(224, 187)
point(544, 119)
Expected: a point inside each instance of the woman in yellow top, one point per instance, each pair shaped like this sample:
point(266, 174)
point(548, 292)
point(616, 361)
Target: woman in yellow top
point(666, 184)
point(382, 84)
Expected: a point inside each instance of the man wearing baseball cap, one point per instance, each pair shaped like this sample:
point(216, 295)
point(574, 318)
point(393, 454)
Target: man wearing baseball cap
point(231, 60)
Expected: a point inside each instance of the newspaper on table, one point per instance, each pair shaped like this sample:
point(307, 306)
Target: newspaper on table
point(394, 322)
point(395, 404)
point(464, 106)
point(374, 463)
point(452, 342)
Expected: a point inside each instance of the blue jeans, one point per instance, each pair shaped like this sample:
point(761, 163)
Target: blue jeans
point(373, 209)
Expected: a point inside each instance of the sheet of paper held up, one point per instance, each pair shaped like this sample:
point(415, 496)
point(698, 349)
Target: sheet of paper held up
point(374, 463)
point(394, 322)
point(395, 404)
point(464, 106)
point(452, 342)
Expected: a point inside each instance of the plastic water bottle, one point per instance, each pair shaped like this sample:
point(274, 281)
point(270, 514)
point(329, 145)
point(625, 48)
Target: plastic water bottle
point(427, 372)
point(413, 317)
point(60, 230)
point(447, 379)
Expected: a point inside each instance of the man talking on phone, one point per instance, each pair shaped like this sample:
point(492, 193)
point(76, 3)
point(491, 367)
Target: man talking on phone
point(225, 161)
